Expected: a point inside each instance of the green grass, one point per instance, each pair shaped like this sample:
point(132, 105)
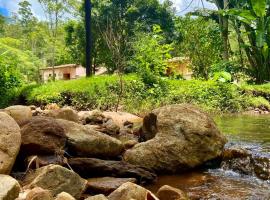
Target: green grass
point(101, 92)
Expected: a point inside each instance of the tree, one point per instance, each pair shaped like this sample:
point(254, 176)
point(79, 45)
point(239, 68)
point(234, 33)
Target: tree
point(224, 26)
point(126, 18)
point(88, 57)
point(252, 25)
point(2, 24)
point(54, 11)
point(150, 55)
point(201, 44)
point(26, 17)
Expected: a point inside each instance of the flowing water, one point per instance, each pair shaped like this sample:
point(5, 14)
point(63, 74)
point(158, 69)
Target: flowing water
point(251, 132)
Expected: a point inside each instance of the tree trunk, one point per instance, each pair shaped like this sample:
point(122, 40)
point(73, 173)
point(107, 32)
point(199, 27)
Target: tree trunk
point(88, 48)
point(224, 27)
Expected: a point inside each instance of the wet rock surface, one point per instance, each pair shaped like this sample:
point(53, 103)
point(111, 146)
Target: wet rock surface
point(185, 138)
point(244, 161)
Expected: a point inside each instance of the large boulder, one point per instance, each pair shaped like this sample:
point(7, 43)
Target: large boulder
point(167, 192)
point(183, 137)
point(64, 113)
point(131, 191)
point(42, 135)
point(87, 142)
point(91, 167)
point(9, 188)
point(10, 142)
point(21, 114)
point(56, 179)
point(106, 185)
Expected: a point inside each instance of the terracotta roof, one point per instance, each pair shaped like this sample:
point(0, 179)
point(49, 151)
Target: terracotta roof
point(62, 66)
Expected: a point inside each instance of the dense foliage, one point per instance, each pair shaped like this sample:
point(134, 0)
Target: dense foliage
point(102, 92)
point(226, 49)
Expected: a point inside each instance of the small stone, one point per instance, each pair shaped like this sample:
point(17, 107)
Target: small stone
point(167, 192)
point(97, 197)
point(131, 191)
point(106, 185)
point(64, 196)
point(64, 113)
point(38, 193)
point(9, 188)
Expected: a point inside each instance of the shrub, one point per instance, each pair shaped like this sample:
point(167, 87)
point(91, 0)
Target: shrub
point(102, 93)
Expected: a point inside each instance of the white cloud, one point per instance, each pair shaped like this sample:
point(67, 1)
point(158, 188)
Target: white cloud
point(184, 6)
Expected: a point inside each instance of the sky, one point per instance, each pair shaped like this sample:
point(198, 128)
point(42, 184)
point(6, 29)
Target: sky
point(182, 6)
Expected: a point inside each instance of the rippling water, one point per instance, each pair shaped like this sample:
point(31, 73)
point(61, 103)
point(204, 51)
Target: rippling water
point(252, 132)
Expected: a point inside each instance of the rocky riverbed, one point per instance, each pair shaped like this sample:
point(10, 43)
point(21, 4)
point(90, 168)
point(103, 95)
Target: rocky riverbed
point(59, 153)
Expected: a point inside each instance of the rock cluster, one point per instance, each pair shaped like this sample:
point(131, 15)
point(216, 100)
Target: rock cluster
point(60, 154)
point(243, 161)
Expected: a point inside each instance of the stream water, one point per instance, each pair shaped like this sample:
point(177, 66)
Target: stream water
point(252, 132)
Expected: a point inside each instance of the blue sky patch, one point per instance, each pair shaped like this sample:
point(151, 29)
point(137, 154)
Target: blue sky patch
point(4, 12)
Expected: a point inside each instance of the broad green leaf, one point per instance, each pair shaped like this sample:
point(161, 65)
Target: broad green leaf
point(265, 51)
point(244, 15)
point(260, 38)
point(259, 7)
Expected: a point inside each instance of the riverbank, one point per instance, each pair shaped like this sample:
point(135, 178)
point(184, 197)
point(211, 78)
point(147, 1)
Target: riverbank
point(117, 154)
point(102, 93)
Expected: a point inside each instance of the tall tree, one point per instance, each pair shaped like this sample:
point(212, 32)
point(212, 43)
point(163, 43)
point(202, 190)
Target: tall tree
point(224, 26)
point(88, 57)
point(54, 11)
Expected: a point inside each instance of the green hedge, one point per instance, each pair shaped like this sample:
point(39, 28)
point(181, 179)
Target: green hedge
point(102, 93)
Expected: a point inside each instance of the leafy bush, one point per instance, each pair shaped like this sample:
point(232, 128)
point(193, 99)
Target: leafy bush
point(150, 55)
point(102, 93)
point(9, 79)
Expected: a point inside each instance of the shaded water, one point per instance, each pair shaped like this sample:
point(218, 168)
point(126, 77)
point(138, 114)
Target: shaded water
point(252, 132)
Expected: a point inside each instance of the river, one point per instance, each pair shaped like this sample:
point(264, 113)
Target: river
point(251, 132)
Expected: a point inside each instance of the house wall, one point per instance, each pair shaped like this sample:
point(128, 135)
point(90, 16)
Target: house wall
point(180, 67)
point(74, 73)
point(80, 72)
